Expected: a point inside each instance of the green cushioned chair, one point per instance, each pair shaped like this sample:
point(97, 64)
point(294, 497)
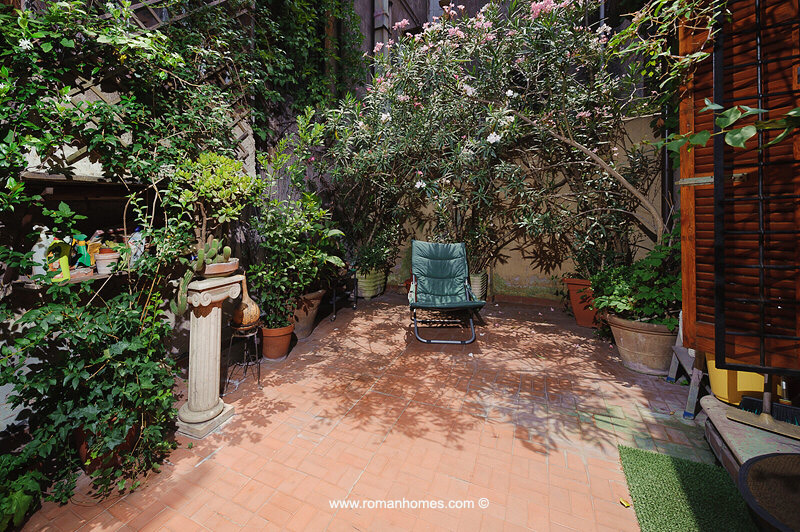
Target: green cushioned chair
point(440, 282)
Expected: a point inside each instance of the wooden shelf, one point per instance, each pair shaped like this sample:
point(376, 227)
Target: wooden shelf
point(26, 281)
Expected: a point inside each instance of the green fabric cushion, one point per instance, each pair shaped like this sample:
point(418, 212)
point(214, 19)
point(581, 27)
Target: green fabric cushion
point(441, 274)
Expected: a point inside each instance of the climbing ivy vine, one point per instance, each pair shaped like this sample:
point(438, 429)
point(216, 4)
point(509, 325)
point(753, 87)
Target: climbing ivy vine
point(178, 85)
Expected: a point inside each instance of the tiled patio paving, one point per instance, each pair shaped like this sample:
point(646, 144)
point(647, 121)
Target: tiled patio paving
point(528, 417)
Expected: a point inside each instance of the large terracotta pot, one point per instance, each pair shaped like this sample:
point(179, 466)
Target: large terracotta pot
point(371, 283)
point(479, 283)
point(580, 298)
point(306, 313)
point(644, 347)
point(80, 439)
point(275, 342)
point(246, 314)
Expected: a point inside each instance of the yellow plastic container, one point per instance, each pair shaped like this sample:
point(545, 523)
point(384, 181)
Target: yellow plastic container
point(730, 386)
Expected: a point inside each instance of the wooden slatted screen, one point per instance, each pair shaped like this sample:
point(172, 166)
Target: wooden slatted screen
point(757, 334)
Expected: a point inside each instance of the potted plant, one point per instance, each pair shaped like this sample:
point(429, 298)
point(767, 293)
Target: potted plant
point(641, 304)
point(581, 300)
point(372, 262)
point(296, 245)
point(209, 192)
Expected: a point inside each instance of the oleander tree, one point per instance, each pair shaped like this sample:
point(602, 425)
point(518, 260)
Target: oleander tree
point(510, 128)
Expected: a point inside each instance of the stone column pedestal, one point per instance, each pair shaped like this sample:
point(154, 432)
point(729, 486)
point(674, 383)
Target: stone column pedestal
point(205, 411)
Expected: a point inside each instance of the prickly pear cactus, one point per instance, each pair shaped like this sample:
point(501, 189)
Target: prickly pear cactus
point(212, 252)
point(181, 301)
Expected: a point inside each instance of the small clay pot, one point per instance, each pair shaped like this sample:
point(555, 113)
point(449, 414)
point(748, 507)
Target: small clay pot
point(275, 342)
point(105, 262)
point(221, 269)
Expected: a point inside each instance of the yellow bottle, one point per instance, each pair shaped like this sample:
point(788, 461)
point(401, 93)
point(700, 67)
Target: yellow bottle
point(58, 259)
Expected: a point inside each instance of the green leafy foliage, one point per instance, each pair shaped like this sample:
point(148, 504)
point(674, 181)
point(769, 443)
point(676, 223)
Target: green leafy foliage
point(648, 290)
point(734, 131)
point(507, 130)
point(167, 105)
point(83, 367)
point(298, 244)
point(214, 189)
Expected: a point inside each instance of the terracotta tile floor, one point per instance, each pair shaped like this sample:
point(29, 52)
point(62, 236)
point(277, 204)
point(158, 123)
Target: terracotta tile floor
point(527, 418)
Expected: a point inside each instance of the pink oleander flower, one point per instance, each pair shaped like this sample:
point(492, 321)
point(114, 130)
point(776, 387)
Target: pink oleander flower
point(455, 32)
point(461, 7)
point(584, 114)
point(403, 24)
point(403, 98)
point(378, 47)
point(537, 8)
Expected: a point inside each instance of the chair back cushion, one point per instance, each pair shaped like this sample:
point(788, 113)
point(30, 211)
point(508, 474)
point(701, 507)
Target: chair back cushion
point(440, 270)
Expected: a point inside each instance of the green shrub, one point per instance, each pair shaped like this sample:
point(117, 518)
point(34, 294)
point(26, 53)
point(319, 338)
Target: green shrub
point(648, 290)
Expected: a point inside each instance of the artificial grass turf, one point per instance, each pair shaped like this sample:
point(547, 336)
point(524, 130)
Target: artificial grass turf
point(675, 494)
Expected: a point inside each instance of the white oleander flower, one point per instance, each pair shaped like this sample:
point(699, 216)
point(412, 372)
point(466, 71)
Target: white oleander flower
point(493, 138)
point(385, 117)
point(470, 91)
point(419, 184)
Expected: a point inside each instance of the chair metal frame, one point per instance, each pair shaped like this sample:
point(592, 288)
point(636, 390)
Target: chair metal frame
point(470, 297)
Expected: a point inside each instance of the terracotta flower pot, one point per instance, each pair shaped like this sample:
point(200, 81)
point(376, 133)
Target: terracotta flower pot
point(80, 439)
point(580, 298)
point(221, 269)
point(306, 313)
point(275, 342)
point(644, 347)
point(105, 262)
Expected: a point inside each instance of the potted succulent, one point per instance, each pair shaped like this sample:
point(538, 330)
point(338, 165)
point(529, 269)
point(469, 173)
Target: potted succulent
point(209, 192)
point(641, 303)
point(296, 246)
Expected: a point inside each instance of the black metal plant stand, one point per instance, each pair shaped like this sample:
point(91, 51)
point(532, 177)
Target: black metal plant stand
point(351, 274)
point(250, 358)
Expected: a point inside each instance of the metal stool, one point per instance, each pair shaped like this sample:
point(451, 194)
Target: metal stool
point(351, 274)
point(249, 358)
